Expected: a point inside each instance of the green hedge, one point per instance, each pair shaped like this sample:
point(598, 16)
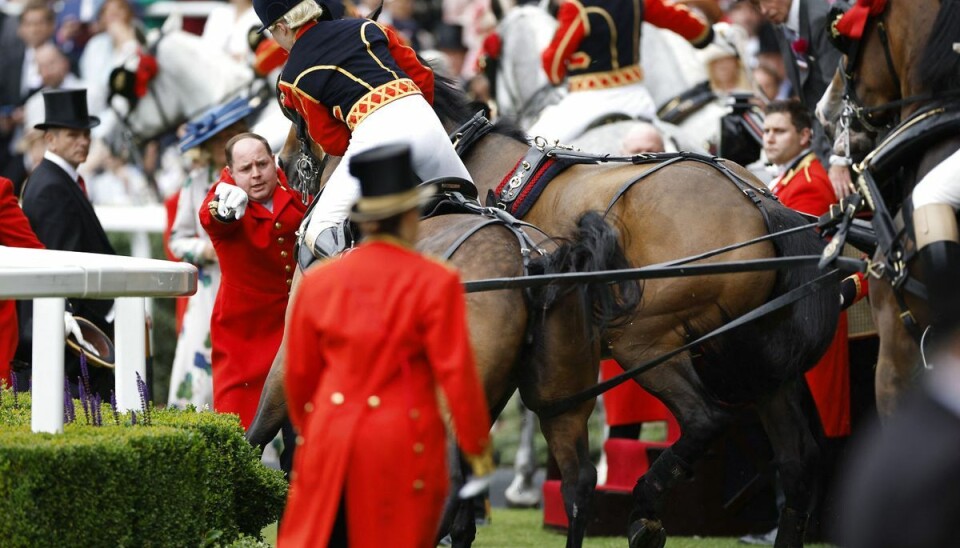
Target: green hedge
point(188, 479)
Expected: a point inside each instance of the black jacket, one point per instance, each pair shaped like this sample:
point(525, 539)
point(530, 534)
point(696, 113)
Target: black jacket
point(62, 218)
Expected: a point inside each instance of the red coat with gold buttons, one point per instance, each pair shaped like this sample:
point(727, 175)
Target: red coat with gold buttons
point(373, 334)
point(15, 231)
point(256, 264)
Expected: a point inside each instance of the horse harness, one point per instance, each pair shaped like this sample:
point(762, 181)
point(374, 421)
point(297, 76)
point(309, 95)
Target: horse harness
point(911, 137)
point(538, 156)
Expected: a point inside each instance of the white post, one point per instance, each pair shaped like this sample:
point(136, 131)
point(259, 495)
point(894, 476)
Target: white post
point(131, 349)
point(48, 344)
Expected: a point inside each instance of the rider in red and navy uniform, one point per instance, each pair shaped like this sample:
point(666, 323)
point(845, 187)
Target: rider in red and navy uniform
point(356, 85)
point(597, 48)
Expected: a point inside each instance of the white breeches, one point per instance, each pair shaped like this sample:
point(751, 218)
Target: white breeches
point(408, 120)
point(569, 118)
point(941, 185)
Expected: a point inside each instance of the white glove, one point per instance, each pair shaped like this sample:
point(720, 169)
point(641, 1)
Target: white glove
point(71, 327)
point(233, 201)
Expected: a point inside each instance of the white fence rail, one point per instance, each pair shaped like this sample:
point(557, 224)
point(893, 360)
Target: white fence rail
point(50, 276)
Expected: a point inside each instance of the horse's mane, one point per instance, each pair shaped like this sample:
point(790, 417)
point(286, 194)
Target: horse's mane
point(939, 67)
point(451, 104)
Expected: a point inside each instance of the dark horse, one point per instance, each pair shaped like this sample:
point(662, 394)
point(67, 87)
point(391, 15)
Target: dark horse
point(903, 69)
point(684, 209)
point(514, 332)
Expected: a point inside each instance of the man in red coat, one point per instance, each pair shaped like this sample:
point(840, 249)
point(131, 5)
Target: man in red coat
point(362, 375)
point(15, 231)
point(251, 216)
point(803, 185)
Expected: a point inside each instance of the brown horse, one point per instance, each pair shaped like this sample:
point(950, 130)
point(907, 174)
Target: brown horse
point(687, 208)
point(903, 64)
point(514, 334)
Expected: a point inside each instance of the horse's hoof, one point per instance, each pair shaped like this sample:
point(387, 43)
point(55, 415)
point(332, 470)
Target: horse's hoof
point(647, 533)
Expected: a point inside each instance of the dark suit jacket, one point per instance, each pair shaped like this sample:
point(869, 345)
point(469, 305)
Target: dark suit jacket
point(63, 218)
point(11, 61)
point(822, 61)
point(902, 485)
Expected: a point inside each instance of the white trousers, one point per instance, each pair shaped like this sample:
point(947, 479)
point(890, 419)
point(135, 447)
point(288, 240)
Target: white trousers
point(409, 120)
point(941, 185)
point(569, 118)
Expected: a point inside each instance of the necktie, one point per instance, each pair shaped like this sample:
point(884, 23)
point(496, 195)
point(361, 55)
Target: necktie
point(83, 185)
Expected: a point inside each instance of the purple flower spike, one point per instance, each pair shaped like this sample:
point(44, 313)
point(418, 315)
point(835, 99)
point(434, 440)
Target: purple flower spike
point(113, 405)
point(133, 418)
point(85, 403)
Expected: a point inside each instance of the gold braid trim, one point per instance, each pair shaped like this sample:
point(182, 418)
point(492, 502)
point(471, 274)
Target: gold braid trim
point(608, 79)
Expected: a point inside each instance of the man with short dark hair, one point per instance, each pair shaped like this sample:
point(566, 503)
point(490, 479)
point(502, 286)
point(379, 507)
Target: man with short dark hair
point(251, 216)
point(55, 202)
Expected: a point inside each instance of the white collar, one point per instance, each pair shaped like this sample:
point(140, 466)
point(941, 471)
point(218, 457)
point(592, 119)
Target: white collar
point(783, 168)
point(64, 165)
point(793, 19)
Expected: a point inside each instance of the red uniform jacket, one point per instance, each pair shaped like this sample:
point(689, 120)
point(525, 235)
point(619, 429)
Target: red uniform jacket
point(598, 41)
point(15, 231)
point(372, 336)
point(256, 265)
point(629, 403)
point(806, 188)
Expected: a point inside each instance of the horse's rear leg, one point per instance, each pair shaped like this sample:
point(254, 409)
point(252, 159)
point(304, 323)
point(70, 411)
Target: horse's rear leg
point(566, 437)
point(797, 455)
point(678, 386)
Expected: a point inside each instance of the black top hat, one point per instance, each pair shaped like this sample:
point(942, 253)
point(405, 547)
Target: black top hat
point(66, 108)
point(388, 185)
point(449, 37)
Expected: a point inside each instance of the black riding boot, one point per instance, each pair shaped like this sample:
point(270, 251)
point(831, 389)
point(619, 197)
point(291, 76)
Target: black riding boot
point(941, 268)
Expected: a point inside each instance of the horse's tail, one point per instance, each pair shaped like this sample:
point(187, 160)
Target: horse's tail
point(595, 246)
point(939, 68)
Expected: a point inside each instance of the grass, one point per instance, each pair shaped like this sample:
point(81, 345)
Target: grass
point(524, 528)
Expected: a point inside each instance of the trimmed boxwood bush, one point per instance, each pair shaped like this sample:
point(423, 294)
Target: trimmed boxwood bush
point(187, 479)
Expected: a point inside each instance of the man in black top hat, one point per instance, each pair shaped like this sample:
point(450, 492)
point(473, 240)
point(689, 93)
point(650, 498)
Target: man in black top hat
point(54, 199)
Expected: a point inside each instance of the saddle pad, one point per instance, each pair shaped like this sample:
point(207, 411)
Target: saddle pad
point(519, 190)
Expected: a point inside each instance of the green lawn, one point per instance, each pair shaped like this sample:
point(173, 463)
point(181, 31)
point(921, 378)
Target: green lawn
point(524, 528)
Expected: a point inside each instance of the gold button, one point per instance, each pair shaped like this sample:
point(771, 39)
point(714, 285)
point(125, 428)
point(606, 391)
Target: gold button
point(336, 398)
point(373, 401)
point(289, 281)
point(284, 254)
point(414, 414)
point(418, 484)
point(288, 268)
point(308, 407)
point(280, 240)
point(418, 448)
point(300, 440)
point(278, 226)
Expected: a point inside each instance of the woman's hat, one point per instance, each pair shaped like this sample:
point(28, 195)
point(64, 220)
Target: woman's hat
point(388, 185)
point(66, 108)
point(93, 335)
point(213, 121)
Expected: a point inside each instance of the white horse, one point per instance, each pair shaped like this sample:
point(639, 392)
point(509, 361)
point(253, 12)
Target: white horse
point(191, 78)
point(670, 64)
point(522, 88)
